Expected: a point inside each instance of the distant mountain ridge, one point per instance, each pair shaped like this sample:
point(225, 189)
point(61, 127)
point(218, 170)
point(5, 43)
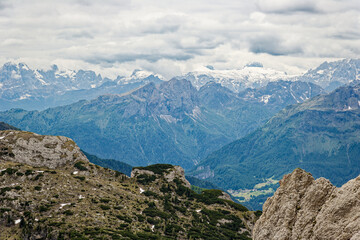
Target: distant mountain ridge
point(330, 75)
point(319, 135)
point(169, 123)
point(5, 126)
point(250, 76)
point(22, 87)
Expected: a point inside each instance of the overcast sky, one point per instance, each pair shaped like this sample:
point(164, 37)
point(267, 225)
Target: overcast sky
point(171, 37)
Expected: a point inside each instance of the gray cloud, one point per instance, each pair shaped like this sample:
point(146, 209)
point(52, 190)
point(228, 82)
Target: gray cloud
point(122, 58)
point(287, 6)
point(273, 45)
point(115, 36)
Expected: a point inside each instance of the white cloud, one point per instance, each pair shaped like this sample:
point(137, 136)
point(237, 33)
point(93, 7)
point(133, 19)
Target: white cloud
point(171, 37)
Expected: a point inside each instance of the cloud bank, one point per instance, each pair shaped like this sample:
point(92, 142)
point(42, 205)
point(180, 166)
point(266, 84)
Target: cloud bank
point(172, 37)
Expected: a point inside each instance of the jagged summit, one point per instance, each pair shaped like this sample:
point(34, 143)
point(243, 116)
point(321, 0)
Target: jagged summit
point(305, 208)
point(38, 150)
point(331, 75)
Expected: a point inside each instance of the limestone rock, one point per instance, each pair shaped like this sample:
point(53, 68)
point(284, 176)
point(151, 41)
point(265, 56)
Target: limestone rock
point(169, 172)
point(38, 150)
point(305, 208)
point(177, 172)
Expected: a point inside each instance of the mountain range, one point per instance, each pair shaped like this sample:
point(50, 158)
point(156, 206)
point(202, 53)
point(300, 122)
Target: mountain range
point(252, 75)
point(170, 123)
point(331, 75)
point(22, 87)
point(319, 135)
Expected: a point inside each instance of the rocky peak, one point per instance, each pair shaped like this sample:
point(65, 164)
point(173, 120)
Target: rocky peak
point(38, 150)
point(305, 208)
point(167, 171)
point(331, 75)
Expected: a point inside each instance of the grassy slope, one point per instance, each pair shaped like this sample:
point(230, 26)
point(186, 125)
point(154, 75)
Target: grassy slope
point(105, 204)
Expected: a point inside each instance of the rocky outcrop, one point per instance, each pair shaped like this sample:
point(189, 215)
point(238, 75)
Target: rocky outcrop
point(38, 150)
point(305, 208)
point(167, 171)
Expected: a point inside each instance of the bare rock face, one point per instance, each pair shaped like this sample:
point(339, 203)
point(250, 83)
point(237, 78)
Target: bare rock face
point(38, 150)
point(305, 208)
point(177, 172)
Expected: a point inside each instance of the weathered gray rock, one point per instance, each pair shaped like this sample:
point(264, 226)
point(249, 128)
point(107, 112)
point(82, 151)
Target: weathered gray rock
point(171, 173)
point(177, 172)
point(304, 208)
point(38, 150)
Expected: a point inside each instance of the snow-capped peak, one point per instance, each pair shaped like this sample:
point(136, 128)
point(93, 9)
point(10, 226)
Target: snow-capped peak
point(236, 79)
point(66, 73)
point(141, 74)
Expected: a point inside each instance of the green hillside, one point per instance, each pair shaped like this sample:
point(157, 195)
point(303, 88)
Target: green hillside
point(320, 135)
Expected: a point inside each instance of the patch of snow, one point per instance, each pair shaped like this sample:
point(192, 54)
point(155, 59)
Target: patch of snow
point(1, 85)
point(320, 71)
point(40, 78)
point(168, 118)
point(66, 74)
point(2, 170)
point(2, 137)
point(142, 190)
point(39, 171)
point(152, 227)
point(26, 96)
point(93, 85)
point(36, 220)
point(265, 98)
point(196, 112)
point(17, 221)
point(137, 76)
point(294, 96)
point(15, 75)
point(199, 210)
point(81, 197)
point(236, 79)
point(63, 205)
point(75, 172)
point(25, 67)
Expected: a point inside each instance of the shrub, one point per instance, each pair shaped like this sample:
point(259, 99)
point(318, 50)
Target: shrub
point(124, 218)
point(157, 168)
point(37, 177)
point(104, 207)
point(9, 171)
point(43, 208)
point(79, 165)
point(4, 190)
point(145, 179)
point(29, 172)
point(81, 178)
point(68, 212)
